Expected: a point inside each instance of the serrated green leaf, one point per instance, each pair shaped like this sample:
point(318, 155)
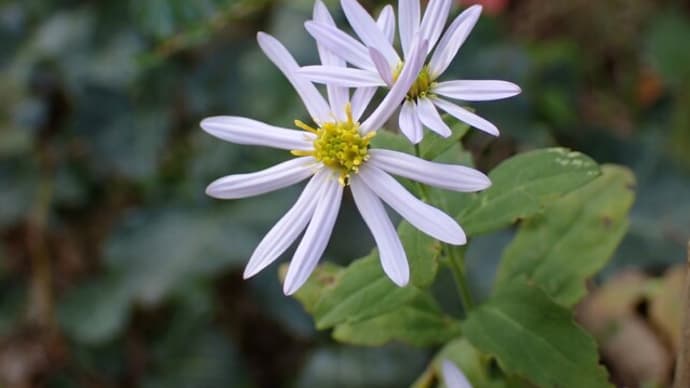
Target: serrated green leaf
point(523, 185)
point(362, 290)
point(573, 239)
point(533, 336)
point(419, 322)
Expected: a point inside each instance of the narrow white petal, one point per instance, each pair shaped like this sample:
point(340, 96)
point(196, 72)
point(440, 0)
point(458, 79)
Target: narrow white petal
point(386, 22)
point(368, 31)
point(316, 237)
point(287, 229)
point(391, 252)
point(408, 23)
point(422, 216)
point(466, 116)
point(241, 130)
point(409, 123)
point(397, 93)
point(453, 377)
point(434, 20)
point(360, 100)
point(454, 37)
point(279, 55)
point(431, 118)
point(342, 76)
point(477, 90)
point(337, 96)
point(382, 66)
point(340, 43)
point(248, 185)
point(446, 176)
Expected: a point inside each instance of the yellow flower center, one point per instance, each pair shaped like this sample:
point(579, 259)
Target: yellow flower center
point(339, 145)
point(421, 86)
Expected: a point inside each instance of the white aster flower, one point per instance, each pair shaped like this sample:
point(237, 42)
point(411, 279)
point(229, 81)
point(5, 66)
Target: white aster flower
point(334, 154)
point(453, 377)
point(378, 64)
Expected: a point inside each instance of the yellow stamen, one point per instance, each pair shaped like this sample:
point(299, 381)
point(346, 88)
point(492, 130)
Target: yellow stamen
point(422, 85)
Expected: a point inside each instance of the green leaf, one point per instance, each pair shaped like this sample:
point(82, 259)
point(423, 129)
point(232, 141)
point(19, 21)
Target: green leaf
point(532, 336)
point(467, 358)
point(392, 141)
point(420, 322)
point(573, 239)
point(362, 290)
point(434, 145)
point(523, 185)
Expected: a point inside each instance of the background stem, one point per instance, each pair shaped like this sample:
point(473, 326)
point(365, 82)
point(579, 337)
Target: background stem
point(456, 259)
point(682, 378)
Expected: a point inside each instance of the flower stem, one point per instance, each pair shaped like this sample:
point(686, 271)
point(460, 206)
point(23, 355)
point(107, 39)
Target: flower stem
point(456, 261)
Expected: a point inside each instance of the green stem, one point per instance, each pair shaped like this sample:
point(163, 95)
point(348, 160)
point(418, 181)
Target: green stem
point(456, 261)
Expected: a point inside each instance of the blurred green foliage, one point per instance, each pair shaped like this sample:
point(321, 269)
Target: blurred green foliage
point(116, 270)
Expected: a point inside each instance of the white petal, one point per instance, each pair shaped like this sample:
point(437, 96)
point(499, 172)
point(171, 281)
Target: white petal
point(279, 55)
point(391, 252)
point(477, 90)
point(340, 43)
point(241, 130)
point(368, 31)
point(316, 237)
point(342, 76)
point(434, 20)
point(337, 96)
point(397, 93)
point(287, 229)
point(409, 123)
point(382, 66)
point(452, 40)
point(431, 118)
point(453, 377)
point(466, 116)
point(360, 100)
point(408, 22)
point(386, 22)
point(248, 185)
point(446, 176)
point(422, 216)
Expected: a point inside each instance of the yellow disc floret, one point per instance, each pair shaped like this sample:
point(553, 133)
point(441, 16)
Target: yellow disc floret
point(339, 145)
point(421, 86)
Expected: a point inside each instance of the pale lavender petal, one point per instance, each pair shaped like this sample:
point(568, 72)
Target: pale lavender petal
point(422, 216)
point(360, 100)
point(368, 31)
point(408, 23)
point(466, 116)
point(288, 228)
point(248, 185)
point(316, 237)
point(445, 176)
point(397, 93)
point(382, 66)
point(241, 130)
point(431, 118)
point(477, 90)
point(386, 22)
point(340, 43)
point(279, 55)
point(434, 20)
point(453, 377)
point(337, 96)
point(409, 123)
point(391, 252)
point(454, 37)
point(342, 76)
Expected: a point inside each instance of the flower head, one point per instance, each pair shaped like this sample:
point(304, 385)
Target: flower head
point(335, 153)
point(376, 63)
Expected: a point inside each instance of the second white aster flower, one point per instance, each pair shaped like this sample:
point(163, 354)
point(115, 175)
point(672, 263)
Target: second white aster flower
point(378, 63)
point(335, 153)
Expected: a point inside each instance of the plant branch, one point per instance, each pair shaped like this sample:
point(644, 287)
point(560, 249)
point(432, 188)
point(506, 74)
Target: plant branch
point(456, 260)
